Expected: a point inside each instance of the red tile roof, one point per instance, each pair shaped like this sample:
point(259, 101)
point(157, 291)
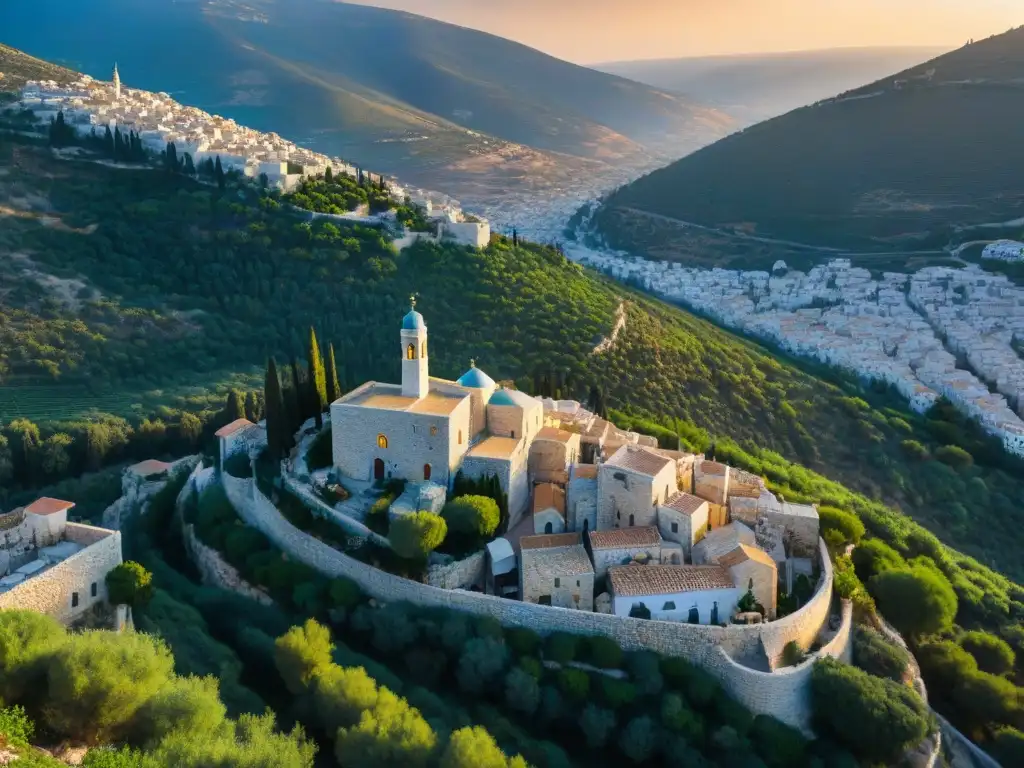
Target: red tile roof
point(588, 471)
point(685, 503)
point(549, 540)
point(48, 506)
point(553, 433)
point(548, 496)
point(150, 467)
point(637, 459)
point(625, 538)
point(640, 580)
point(229, 429)
point(743, 553)
point(713, 468)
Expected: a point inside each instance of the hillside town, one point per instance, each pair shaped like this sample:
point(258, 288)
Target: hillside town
point(940, 332)
point(94, 105)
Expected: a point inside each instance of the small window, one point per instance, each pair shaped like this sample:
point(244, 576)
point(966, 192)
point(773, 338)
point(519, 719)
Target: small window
point(577, 582)
point(675, 527)
point(92, 589)
point(618, 515)
point(558, 582)
point(460, 437)
point(74, 599)
point(513, 434)
point(632, 521)
point(669, 606)
point(666, 493)
point(410, 352)
point(423, 349)
point(544, 600)
point(382, 441)
point(433, 431)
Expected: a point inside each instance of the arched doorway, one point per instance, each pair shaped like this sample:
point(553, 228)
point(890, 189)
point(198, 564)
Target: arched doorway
point(378, 469)
point(548, 527)
point(426, 471)
point(632, 521)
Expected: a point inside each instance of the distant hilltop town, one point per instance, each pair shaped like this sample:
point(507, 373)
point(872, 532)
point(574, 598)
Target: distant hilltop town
point(159, 120)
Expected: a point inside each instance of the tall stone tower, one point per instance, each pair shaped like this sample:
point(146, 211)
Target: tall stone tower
point(415, 375)
point(117, 83)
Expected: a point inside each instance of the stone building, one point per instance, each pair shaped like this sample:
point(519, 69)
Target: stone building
point(631, 484)
point(721, 541)
point(555, 570)
point(237, 437)
point(683, 518)
point(552, 454)
point(752, 568)
point(697, 594)
point(796, 526)
point(626, 545)
point(429, 429)
point(711, 482)
point(581, 499)
point(548, 509)
point(52, 566)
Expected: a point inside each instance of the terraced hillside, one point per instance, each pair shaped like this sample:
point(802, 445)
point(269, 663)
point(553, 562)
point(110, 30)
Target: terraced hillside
point(895, 167)
point(174, 281)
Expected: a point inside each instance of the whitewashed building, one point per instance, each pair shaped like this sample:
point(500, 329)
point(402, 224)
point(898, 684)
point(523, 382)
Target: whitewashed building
point(698, 594)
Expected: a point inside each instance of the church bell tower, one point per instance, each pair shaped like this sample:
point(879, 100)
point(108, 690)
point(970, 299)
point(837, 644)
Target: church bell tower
point(117, 84)
point(415, 374)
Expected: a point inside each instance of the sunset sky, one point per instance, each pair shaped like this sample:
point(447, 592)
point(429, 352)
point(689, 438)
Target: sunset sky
point(590, 31)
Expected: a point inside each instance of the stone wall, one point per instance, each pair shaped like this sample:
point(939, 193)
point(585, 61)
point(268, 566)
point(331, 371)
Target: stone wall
point(322, 509)
point(52, 591)
point(215, 571)
point(609, 558)
point(460, 574)
point(701, 644)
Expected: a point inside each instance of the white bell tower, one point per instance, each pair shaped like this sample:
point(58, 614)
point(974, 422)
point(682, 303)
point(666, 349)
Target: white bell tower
point(117, 84)
point(415, 373)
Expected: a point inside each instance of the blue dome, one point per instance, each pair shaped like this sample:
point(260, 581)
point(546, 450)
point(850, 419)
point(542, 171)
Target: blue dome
point(476, 378)
point(511, 397)
point(413, 321)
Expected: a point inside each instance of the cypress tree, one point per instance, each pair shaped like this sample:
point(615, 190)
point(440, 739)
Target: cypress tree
point(117, 144)
point(301, 406)
point(190, 168)
point(252, 407)
point(218, 171)
point(172, 158)
point(274, 404)
point(109, 139)
point(329, 175)
point(317, 384)
point(333, 385)
point(235, 407)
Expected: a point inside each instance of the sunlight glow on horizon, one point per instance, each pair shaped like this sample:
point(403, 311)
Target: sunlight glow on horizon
point(592, 31)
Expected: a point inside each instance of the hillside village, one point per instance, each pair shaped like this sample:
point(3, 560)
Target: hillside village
point(89, 105)
point(940, 332)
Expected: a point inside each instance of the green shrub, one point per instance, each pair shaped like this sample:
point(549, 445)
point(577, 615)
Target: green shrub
point(778, 744)
point(914, 450)
point(639, 739)
point(848, 703)
point(522, 641)
point(574, 684)
point(615, 693)
point(415, 536)
point(877, 656)
point(474, 747)
point(676, 671)
point(522, 692)
point(677, 717)
point(15, 727)
point(472, 516)
point(603, 652)
point(129, 584)
point(488, 626)
point(532, 666)
point(954, 456)
point(846, 524)
point(792, 654)
point(1007, 746)
point(873, 556)
point(301, 652)
point(481, 664)
point(917, 601)
point(28, 641)
point(644, 669)
point(993, 654)
point(191, 704)
point(344, 593)
point(560, 647)
point(597, 725)
point(391, 733)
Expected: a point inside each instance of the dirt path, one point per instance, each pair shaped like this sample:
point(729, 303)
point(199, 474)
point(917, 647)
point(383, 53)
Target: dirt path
point(620, 322)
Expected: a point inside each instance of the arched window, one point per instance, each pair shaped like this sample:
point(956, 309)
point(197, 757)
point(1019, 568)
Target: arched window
point(410, 352)
point(548, 527)
point(382, 441)
point(632, 521)
point(433, 431)
point(423, 349)
point(426, 471)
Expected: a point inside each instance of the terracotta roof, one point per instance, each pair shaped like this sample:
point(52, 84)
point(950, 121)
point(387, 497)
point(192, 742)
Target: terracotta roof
point(638, 459)
point(742, 476)
point(502, 448)
point(150, 467)
point(548, 496)
point(640, 580)
point(229, 429)
point(553, 433)
point(571, 560)
point(48, 506)
point(623, 538)
point(549, 540)
point(741, 492)
point(713, 468)
point(743, 553)
point(588, 471)
point(685, 503)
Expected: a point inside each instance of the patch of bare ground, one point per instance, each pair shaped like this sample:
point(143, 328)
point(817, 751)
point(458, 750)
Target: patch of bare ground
point(68, 291)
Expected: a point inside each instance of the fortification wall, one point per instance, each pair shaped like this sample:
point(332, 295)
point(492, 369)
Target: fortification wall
point(52, 591)
point(322, 509)
point(215, 571)
point(460, 574)
point(705, 645)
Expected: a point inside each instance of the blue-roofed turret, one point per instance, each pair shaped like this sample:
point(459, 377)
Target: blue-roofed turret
point(475, 378)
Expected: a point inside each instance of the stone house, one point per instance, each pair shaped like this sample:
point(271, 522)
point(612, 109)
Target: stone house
point(555, 570)
point(751, 568)
point(683, 519)
point(631, 484)
point(698, 594)
point(711, 482)
point(553, 452)
point(623, 546)
point(235, 438)
point(721, 541)
point(684, 467)
point(796, 526)
point(581, 499)
point(548, 509)
point(52, 566)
